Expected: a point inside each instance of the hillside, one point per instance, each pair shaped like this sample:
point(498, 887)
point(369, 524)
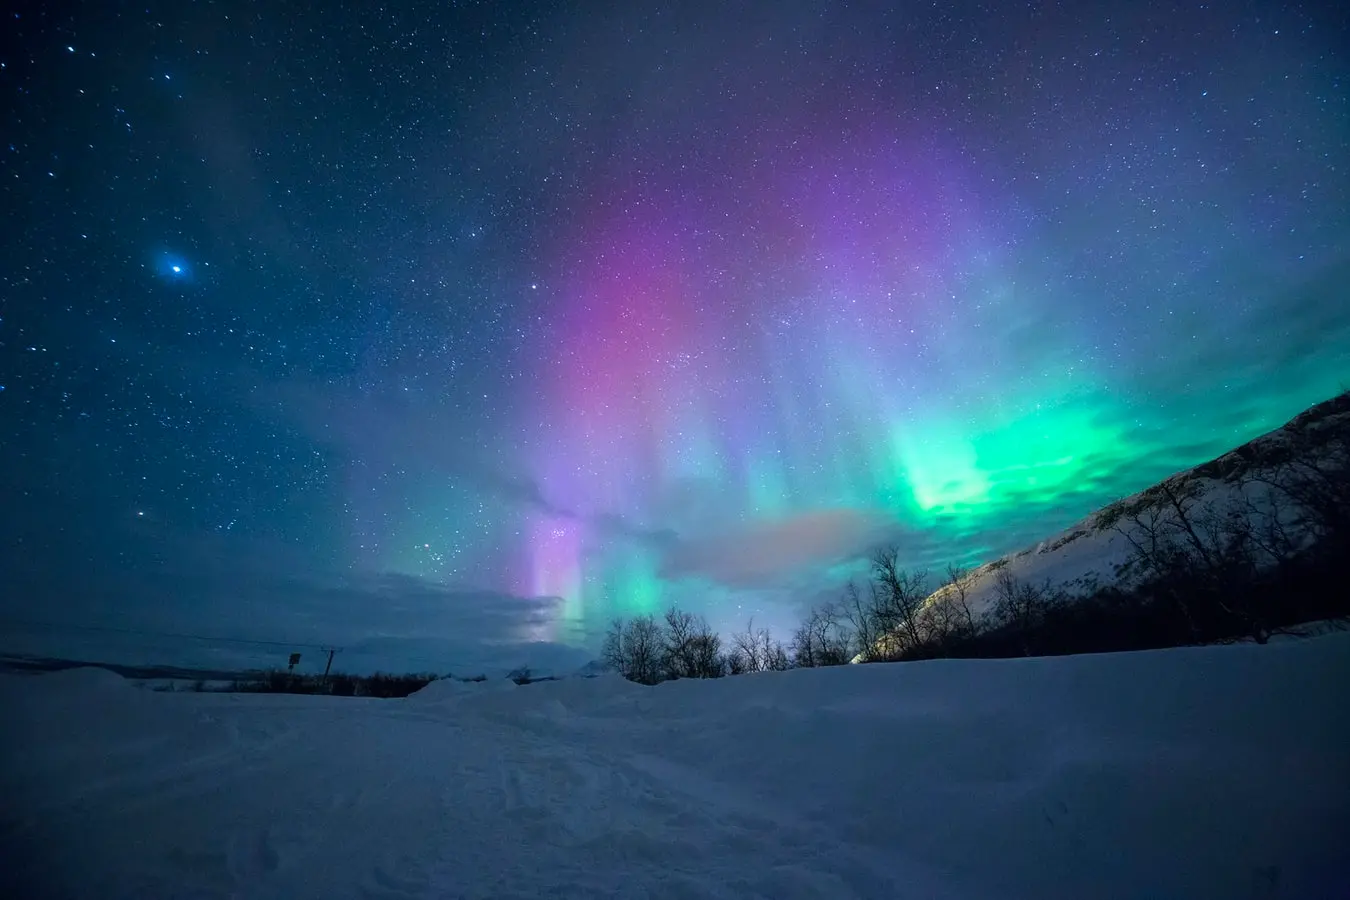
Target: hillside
point(1092, 552)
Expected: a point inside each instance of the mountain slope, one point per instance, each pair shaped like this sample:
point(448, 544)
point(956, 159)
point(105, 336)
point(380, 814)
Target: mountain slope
point(1092, 552)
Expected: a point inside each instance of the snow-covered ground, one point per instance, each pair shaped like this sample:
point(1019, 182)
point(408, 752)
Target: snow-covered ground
point(1216, 772)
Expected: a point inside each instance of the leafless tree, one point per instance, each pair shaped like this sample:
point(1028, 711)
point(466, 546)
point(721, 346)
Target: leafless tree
point(745, 655)
point(822, 639)
point(635, 649)
point(774, 654)
point(612, 651)
point(803, 646)
point(862, 621)
point(1155, 552)
point(709, 661)
point(1022, 607)
point(755, 650)
point(946, 617)
point(1316, 480)
point(957, 594)
point(692, 648)
point(1203, 558)
point(1274, 530)
point(678, 652)
point(899, 595)
point(736, 660)
point(938, 623)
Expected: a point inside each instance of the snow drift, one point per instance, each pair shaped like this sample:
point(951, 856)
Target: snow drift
point(1201, 772)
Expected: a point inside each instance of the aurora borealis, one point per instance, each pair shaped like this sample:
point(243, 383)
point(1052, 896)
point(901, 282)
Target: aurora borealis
point(488, 324)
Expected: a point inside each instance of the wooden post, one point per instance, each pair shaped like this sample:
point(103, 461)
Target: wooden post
point(327, 668)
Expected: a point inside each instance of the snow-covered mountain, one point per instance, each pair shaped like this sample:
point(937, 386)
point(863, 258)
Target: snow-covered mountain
point(1090, 553)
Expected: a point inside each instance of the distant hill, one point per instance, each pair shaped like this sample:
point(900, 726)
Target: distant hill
point(593, 668)
point(21, 664)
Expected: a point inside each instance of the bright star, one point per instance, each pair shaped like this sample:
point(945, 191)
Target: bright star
point(173, 267)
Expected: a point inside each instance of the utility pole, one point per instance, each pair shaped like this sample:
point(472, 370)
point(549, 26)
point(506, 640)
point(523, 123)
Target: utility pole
point(329, 667)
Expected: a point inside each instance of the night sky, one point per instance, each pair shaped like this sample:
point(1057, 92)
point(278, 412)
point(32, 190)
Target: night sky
point(438, 329)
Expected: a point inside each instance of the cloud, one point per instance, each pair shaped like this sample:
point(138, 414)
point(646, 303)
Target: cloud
point(391, 605)
point(769, 552)
point(206, 598)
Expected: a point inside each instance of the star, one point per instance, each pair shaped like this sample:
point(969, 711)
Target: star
point(969, 295)
point(172, 266)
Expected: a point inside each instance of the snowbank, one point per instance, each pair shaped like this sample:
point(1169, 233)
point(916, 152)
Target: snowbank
point(1215, 772)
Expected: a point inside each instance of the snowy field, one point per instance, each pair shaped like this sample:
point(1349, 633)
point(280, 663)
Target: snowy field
point(1218, 772)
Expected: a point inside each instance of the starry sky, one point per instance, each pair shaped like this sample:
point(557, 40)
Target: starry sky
point(451, 331)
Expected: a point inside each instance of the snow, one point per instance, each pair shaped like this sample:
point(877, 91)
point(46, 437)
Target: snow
point(1087, 555)
point(1202, 772)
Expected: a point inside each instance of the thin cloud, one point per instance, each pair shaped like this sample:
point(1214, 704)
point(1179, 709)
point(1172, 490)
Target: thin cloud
point(768, 552)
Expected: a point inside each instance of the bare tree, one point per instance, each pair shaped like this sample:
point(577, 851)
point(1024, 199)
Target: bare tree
point(635, 649)
point(957, 590)
point(1204, 559)
point(678, 652)
point(822, 639)
point(737, 662)
point(773, 653)
point(938, 623)
point(1151, 556)
point(899, 595)
point(862, 621)
point(1275, 532)
point(803, 645)
point(612, 651)
point(692, 648)
point(1022, 607)
point(709, 662)
point(945, 618)
point(745, 650)
point(755, 650)
point(1316, 480)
